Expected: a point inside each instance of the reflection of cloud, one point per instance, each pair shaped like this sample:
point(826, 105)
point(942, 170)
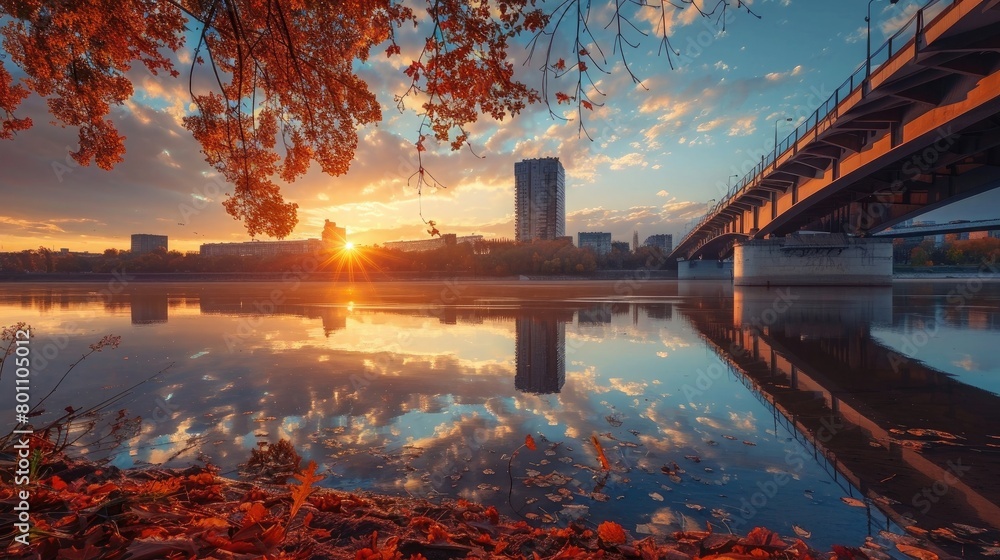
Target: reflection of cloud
point(966, 363)
point(744, 421)
point(630, 388)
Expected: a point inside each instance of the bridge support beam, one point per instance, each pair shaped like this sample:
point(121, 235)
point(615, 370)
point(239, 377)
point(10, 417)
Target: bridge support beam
point(820, 259)
point(704, 269)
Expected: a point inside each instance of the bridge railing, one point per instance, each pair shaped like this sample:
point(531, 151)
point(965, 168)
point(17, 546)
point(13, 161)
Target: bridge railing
point(893, 45)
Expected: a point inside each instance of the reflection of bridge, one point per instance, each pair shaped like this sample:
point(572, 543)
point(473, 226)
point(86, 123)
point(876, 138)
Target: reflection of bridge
point(815, 362)
point(937, 229)
point(919, 133)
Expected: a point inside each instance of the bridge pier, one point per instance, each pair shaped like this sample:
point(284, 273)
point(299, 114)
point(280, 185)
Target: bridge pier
point(813, 259)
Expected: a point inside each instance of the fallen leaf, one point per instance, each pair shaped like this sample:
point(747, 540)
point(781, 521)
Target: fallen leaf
point(914, 552)
point(853, 502)
point(801, 532)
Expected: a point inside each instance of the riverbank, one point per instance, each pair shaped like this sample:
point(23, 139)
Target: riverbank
point(83, 510)
point(932, 273)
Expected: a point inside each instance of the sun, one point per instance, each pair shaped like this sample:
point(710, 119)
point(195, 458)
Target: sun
point(348, 246)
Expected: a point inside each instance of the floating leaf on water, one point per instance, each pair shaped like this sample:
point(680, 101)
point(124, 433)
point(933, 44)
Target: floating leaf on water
point(898, 539)
point(896, 431)
point(991, 551)
point(531, 516)
point(801, 532)
point(566, 460)
point(731, 438)
point(600, 497)
point(709, 469)
point(721, 514)
point(696, 507)
point(915, 552)
point(919, 432)
point(656, 496)
point(947, 534)
point(914, 530)
point(853, 502)
point(968, 529)
point(675, 479)
point(549, 452)
point(694, 458)
point(712, 442)
point(874, 444)
point(532, 472)
point(745, 442)
point(489, 471)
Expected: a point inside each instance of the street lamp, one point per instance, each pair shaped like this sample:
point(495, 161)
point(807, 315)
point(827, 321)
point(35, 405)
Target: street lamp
point(786, 119)
point(868, 22)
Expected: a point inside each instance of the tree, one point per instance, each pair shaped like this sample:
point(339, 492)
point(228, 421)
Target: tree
point(286, 70)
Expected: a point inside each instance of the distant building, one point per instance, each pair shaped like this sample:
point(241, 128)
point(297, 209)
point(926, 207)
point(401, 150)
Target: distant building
point(620, 246)
point(539, 199)
point(334, 237)
point(635, 240)
point(147, 243)
point(598, 241)
point(432, 243)
point(664, 241)
point(262, 248)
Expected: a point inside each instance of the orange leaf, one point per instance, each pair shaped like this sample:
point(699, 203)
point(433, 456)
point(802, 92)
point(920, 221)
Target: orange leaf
point(600, 453)
point(587, 105)
point(529, 442)
point(611, 533)
point(301, 492)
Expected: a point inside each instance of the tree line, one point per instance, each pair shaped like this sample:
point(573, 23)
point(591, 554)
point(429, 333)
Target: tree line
point(484, 258)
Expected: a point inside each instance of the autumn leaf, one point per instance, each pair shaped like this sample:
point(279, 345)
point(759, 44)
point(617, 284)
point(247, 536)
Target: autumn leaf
point(301, 492)
point(611, 533)
point(587, 105)
point(605, 465)
point(529, 442)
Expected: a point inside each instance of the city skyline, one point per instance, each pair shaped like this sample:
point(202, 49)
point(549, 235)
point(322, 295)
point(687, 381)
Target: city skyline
point(661, 150)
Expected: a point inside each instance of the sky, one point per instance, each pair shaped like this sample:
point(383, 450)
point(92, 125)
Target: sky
point(658, 152)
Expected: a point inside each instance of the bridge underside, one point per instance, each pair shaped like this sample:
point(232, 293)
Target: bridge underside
point(921, 133)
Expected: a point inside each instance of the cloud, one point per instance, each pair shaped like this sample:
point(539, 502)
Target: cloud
point(663, 193)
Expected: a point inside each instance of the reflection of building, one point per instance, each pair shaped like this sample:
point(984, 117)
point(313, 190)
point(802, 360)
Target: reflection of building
point(664, 241)
point(432, 243)
point(262, 248)
point(598, 315)
point(148, 308)
point(540, 355)
point(598, 241)
point(147, 243)
point(539, 199)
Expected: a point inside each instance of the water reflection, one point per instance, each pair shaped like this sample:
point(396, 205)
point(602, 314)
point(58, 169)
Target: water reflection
point(540, 355)
point(831, 391)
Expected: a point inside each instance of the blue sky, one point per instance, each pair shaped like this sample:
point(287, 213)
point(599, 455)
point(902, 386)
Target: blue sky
point(657, 155)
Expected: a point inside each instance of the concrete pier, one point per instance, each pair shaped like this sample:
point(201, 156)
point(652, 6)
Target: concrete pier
point(704, 270)
point(813, 259)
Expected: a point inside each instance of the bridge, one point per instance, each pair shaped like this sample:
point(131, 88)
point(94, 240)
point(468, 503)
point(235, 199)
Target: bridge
point(918, 131)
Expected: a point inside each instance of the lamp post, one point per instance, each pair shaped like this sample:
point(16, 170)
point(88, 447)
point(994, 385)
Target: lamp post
point(729, 183)
point(868, 22)
point(786, 119)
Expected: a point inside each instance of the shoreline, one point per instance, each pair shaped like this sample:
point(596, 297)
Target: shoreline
point(922, 273)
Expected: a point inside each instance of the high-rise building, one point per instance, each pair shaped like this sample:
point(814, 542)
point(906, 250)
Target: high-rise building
point(664, 241)
point(147, 243)
point(598, 241)
point(539, 199)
